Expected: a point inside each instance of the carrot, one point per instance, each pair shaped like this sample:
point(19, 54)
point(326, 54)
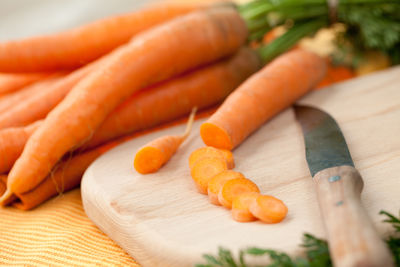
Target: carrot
point(214, 33)
point(204, 170)
point(202, 88)
point(12, 141)
point(241, 205)
point(336, 74)
point(64, 177)
point(79, 46)
point(45, 98)
point(233, 188)
point(10, 82)
point(9, 101)
point(263, 95)
point(156, 153)
point(211, 152)
point(268, 209)
point(215, 184)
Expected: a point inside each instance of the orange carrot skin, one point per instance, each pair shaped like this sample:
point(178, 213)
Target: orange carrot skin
point(155, 154)
point(202, 88)
point(219, 32)
point(147, 108)
point(79, 46)
point(12, 141)
point(10, 82)
point(9, 101)
point(269, 91)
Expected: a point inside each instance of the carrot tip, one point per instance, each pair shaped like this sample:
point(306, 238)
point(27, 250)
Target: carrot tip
point(148, 159)
point(4, 199)
point(215, 136)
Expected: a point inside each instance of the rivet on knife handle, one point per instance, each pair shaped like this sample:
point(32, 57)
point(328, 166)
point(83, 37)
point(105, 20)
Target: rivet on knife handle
point(352, 238)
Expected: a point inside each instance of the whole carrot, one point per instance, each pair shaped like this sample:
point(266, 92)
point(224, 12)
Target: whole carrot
point(77, 47)
point(10, 82)
point(184, 43)
point(152, 156)
point(202, 88)
point(11, 100)
point(12, 142)
point(269, 91)
point(64, 177)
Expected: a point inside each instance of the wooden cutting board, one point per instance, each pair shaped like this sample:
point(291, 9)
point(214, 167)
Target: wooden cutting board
point(161, 220)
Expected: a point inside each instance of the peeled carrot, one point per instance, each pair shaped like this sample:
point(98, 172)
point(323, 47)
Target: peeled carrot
point(268, 209)
point(79, 46)
point(211, 152)
point(262, 96)
point(241, 205)
point(156, 153)
point(204, 170)
point(204, 87)
point(233, 188)
point(12, 141)
point(10, 82)
point(215, 184)
point(214, 33)
point(9, 101)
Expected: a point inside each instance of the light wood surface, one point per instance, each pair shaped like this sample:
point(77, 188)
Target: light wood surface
point(353, 240)
point(161, 220)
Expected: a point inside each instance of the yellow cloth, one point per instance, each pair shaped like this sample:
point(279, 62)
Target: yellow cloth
point(57, 233)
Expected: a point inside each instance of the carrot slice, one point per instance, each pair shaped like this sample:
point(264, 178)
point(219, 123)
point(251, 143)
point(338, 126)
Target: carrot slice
point(268, 209)
point(155, 154)
point(216, 183)
point(241, 205)
point(211, 152)
point(233, 188)
point(205, 169)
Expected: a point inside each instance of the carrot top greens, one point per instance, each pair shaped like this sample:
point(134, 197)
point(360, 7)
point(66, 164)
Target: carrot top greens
point(316, 252)
point(369, 24)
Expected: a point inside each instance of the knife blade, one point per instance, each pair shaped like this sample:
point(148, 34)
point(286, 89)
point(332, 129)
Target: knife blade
point(352, 238)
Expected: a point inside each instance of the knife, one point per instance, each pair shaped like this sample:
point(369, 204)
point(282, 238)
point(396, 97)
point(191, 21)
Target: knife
point(352, 238)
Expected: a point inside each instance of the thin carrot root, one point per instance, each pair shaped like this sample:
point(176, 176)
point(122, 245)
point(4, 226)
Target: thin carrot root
point(211, 152)
point(205, 169)
point(268, 209)
point(233, 188)
point(215, 184)
point(241, 205)
point(151, 157)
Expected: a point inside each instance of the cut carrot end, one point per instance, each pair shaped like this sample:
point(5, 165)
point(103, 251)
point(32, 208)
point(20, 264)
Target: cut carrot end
point(268, 209)
point(211, 152)
point(148, 159)
point(215, 136)
point(205, 169)
point(215, 184)
point(233, 188)
point(241, 205)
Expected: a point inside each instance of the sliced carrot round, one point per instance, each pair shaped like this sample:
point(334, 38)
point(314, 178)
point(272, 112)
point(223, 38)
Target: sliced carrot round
point(233, 188)
point(205, 169)
point(216, 183)
point(211, 152)
point(241, 205)
point(268, 209)
point(148, 159)
point(215, 136)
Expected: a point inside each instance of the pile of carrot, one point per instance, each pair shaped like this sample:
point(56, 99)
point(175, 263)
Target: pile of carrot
point(211, 170)
point(66, 98)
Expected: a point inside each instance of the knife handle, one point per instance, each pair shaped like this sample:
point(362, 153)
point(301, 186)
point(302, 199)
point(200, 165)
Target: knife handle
point(352, 238)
